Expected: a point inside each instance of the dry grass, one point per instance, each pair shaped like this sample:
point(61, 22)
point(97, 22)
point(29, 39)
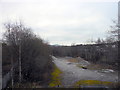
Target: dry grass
point(94, 67)
point(95, 82)
point(80, 66)
point(73, 60)
point(98, 67)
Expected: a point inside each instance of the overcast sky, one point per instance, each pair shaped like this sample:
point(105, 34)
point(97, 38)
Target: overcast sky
point(62, 21)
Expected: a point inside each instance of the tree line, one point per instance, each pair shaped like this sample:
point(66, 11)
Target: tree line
point(103, 51)
point(32, 55)
point(96, 53)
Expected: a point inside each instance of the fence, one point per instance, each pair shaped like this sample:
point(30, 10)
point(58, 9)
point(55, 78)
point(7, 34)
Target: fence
point(6, 79)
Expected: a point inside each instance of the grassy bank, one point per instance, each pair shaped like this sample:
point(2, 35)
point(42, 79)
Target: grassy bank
point(55, 77)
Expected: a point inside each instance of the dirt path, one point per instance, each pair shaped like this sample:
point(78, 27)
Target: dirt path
point(72, 73)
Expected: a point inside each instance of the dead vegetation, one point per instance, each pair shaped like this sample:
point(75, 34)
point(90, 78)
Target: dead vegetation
point(73, 60)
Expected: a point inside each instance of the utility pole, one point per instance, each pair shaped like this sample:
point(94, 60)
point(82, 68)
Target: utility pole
point(12, 69)
point(119, 21)
point(12, 81)
point(20, 62)
point(118, 38)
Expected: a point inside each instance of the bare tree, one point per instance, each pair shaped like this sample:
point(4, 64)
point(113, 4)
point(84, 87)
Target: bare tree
point(29, 50)
point(13, 37)
point(114, 33)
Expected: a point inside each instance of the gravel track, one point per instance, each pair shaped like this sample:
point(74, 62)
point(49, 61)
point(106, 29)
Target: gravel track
point(72, 73)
